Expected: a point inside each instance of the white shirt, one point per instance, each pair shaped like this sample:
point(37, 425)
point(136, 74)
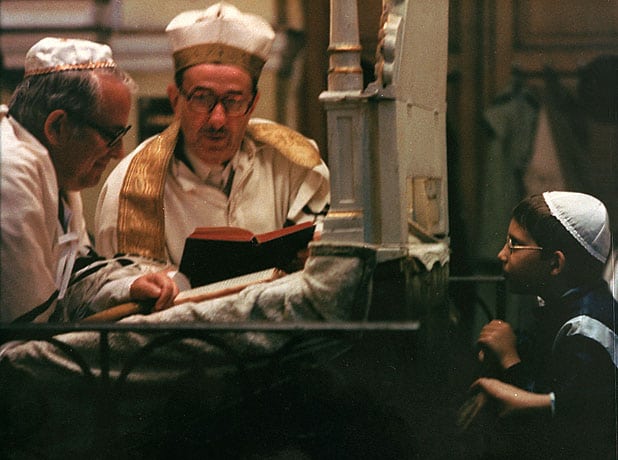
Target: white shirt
point(31, 232)
point(37, 254)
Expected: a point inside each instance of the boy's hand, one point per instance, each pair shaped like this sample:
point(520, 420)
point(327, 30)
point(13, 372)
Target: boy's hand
point(499, 338)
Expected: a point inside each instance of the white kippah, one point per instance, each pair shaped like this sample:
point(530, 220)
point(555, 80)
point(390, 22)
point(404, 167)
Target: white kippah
point(60, 54)
point(585, 218)
point(220, 34)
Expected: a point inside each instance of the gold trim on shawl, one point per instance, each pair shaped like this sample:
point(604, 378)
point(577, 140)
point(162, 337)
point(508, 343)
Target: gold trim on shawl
point(290, 143)
point(141, 217)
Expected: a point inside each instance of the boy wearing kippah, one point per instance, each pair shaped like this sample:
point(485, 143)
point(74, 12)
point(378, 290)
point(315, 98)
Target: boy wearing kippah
point(559, 399)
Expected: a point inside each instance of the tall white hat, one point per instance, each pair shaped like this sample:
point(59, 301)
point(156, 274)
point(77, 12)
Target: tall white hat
point(220, 34)
point(61, 54)
point(585, 217)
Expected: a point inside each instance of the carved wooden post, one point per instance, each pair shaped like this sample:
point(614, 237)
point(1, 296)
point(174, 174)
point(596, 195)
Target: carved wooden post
point(348, 218)
point(387, 150)
point(344, 73)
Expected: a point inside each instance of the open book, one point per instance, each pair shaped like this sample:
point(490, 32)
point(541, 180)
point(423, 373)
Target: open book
point(199, 294)
point(216, 253)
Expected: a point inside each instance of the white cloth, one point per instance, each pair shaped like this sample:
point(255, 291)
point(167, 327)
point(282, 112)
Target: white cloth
point(267, 189)
point(334, 286)
point(32, 256)
point(223, 24)
point(31, 233)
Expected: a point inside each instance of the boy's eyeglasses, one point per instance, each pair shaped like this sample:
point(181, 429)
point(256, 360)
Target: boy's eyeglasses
point(512, 247)
point(203, 100)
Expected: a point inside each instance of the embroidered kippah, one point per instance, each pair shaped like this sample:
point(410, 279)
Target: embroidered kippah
point(585, 217)
point(52, 54)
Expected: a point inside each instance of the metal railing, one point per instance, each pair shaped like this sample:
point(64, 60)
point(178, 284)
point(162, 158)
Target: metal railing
point(304, 340)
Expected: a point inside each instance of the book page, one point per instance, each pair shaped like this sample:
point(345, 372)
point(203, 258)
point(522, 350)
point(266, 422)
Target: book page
point(227, 287)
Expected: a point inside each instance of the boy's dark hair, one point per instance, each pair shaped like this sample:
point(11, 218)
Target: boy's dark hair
point(535, 217)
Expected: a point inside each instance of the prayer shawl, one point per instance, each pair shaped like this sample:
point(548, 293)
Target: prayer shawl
point(49, 390)
point(141, 217)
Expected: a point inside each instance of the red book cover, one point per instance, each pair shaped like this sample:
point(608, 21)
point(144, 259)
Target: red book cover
point(216, 253)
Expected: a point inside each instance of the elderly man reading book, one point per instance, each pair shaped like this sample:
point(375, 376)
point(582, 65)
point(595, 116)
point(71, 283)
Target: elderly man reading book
point(214, 165)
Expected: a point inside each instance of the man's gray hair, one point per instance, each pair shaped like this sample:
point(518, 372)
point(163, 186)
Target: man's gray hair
point(75, 91)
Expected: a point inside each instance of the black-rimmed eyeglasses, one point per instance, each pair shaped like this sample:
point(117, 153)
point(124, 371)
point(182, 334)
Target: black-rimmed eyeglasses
point(113, 136)
point(512, 247)
point(203, 100)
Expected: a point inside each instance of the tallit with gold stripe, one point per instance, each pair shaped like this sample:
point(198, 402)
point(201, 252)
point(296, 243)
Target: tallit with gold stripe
point(141, 210)
point(141, 213)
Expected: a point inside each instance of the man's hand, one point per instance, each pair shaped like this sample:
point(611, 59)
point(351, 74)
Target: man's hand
point(157, 286)
point(499, 338)
point(511, 398)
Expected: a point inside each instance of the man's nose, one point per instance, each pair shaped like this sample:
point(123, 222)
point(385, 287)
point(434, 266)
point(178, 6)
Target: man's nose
point(218, 115)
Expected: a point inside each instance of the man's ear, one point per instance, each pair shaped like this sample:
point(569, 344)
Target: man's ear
point(56, 128)
point(558, 262)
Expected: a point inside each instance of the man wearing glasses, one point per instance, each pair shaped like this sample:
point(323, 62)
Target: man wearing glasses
point(64, 123)
point(214, 166)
